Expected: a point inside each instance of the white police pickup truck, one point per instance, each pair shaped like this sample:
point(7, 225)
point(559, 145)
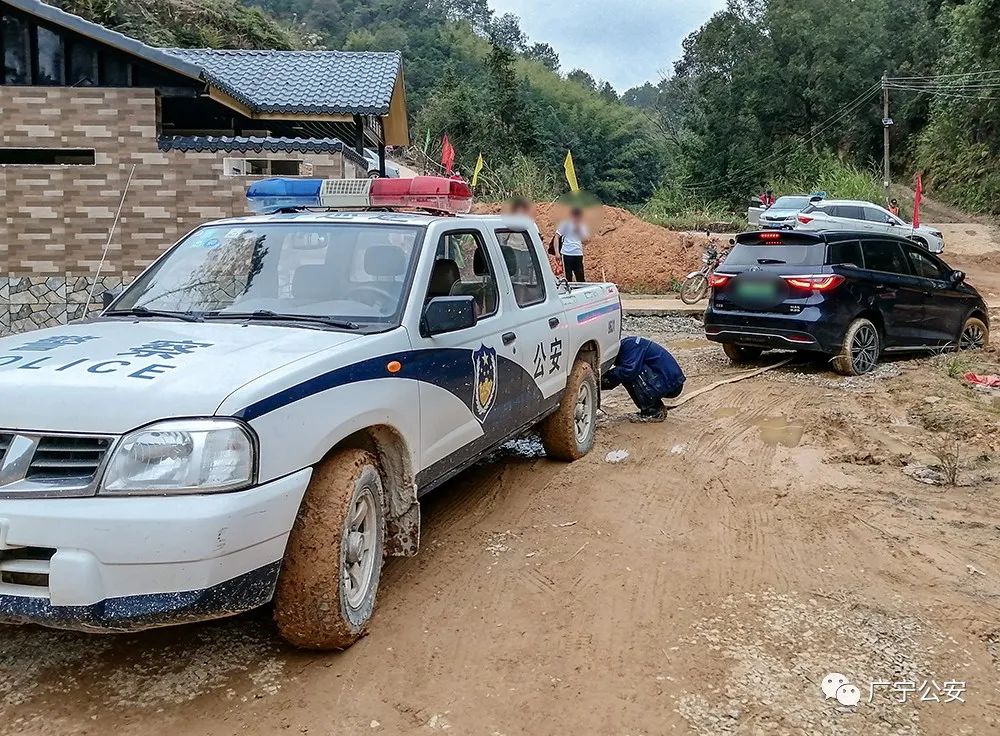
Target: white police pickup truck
point(257, 415)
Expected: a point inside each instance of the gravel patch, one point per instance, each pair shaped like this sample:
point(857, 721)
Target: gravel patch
point(781, 646)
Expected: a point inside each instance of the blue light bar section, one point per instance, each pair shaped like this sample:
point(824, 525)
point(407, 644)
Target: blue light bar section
point(272, 195)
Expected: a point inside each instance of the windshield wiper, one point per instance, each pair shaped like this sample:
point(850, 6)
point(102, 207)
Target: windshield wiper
point(770, 262)
point(143, 312)
point(266, 315)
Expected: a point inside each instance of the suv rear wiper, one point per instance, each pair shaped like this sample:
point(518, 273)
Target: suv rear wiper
point(143, 312)
point(266, 315)
point(770, 262)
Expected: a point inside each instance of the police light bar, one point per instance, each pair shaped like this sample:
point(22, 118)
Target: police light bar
point(433, 193)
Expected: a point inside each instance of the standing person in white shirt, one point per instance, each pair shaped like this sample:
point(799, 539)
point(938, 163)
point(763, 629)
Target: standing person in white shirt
point(569, 240)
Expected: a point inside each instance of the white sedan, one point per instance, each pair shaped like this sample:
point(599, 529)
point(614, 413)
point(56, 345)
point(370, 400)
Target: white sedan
point(844, 214)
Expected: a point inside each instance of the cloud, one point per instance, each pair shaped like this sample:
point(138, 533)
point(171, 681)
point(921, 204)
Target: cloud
point(626, 42)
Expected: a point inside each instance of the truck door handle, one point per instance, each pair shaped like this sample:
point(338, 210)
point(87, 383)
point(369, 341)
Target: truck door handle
point(508, 338)
point(553, 322)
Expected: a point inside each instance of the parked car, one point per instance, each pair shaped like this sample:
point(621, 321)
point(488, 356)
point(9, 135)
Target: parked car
point(848, 295)
point(843, 214)
point(392, 171)
point(781, 214)
point(257, 415)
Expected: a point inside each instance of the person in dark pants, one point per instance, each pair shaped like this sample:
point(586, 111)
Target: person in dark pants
point(649, 374)
point(569, 240)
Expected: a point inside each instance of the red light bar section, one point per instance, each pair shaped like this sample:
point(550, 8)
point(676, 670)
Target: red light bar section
point(423, 192)
point(770, 236)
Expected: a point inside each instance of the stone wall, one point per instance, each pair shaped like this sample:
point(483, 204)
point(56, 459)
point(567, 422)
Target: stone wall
point(54, 220)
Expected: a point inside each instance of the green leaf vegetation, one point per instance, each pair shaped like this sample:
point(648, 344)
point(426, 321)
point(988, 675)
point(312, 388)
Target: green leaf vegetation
point(779, 94)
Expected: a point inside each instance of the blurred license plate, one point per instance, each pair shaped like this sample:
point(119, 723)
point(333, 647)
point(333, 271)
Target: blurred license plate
point(755, 290)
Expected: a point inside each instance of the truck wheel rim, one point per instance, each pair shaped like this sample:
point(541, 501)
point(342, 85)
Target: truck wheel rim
point(864, 349)
point(360, 555)
point(583, 415)
point(972, 337)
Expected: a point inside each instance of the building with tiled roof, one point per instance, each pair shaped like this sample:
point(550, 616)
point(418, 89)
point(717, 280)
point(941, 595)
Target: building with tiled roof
point(87, 110)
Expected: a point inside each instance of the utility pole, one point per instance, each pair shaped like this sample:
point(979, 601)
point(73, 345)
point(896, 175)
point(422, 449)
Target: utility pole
point(886, 123)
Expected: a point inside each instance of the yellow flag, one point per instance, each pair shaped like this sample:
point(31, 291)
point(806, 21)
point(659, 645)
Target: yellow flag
point(475, 172)
point(571, 172)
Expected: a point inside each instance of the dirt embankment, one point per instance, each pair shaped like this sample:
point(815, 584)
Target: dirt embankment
point(640, 257)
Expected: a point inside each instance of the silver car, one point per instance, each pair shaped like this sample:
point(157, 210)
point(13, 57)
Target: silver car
point(848, 214)
point(781, 215)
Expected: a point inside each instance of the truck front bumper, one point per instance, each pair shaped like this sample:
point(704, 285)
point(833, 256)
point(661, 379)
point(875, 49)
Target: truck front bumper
point(129, 563)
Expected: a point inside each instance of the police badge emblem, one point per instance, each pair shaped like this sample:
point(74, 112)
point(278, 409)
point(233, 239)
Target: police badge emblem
point(484, 387)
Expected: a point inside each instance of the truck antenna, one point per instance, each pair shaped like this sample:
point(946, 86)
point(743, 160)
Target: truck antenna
point(107, 245)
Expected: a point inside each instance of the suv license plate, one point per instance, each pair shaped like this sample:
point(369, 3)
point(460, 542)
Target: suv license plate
point(756, 290)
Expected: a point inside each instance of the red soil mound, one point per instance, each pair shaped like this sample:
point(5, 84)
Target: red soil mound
point(640, 257)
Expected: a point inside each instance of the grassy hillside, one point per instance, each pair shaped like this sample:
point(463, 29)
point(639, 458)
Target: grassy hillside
point(188, 23)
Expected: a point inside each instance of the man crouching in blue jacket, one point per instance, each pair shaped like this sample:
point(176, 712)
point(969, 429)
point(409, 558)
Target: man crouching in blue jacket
point(649, 374)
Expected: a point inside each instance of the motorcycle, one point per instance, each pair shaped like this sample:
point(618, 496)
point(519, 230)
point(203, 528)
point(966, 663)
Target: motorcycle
point(695, 286)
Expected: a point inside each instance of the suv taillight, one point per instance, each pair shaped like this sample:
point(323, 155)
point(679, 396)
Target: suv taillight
point(805, 219)
point(815, 283)
point(717, 280)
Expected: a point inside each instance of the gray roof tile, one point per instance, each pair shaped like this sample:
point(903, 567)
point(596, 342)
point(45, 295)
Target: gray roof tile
point(258, 145)
point(326, 82)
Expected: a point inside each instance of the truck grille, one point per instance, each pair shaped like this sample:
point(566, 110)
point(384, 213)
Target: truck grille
point(50, 464)
point(56, 458)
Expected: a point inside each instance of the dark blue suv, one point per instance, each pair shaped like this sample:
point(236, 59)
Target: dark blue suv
point(848, 295)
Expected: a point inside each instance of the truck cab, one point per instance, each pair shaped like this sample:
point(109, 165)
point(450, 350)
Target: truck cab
point(257, 416)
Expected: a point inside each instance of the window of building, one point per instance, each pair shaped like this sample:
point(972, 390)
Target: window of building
point(47, 156)
point(51, 57)
point(114, 70)
point(14, 41)
point(82, 64)
point(522, 264)
point(265, 167)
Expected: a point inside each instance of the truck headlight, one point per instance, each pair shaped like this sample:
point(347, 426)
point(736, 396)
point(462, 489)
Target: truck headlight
point(183, 456)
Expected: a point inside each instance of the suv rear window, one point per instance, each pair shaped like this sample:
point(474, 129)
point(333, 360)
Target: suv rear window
point(779, 255)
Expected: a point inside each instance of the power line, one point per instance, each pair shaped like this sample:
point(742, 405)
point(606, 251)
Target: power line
point(946, 76)
point(946, 93)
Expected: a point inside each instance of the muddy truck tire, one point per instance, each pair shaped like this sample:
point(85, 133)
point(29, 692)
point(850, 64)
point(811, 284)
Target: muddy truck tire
point(330, 575)
point(568, 433)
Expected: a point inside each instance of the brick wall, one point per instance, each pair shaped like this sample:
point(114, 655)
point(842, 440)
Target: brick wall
point(54, 220)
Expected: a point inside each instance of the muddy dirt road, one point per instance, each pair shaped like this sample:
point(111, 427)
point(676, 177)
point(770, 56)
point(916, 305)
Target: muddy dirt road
point(767, 534)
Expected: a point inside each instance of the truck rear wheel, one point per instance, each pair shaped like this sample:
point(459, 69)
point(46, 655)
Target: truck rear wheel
point(568, 434)
point(333, 562)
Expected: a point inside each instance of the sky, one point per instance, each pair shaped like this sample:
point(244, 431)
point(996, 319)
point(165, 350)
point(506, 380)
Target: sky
point(625, 42)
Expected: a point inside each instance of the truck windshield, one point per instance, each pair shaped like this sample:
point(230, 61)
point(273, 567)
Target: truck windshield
point(353, 273)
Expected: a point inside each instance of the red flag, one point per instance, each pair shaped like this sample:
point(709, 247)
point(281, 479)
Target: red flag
point(447, 155)
point(916, 202)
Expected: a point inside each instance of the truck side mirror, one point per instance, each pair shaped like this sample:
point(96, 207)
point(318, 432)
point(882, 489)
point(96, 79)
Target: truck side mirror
point(108, 297)
point(448, 314)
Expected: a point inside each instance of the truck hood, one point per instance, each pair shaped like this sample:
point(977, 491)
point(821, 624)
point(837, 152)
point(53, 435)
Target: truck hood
point(111, 376)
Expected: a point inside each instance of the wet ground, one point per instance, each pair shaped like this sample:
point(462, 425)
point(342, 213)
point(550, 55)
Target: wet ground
point(703, 580)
